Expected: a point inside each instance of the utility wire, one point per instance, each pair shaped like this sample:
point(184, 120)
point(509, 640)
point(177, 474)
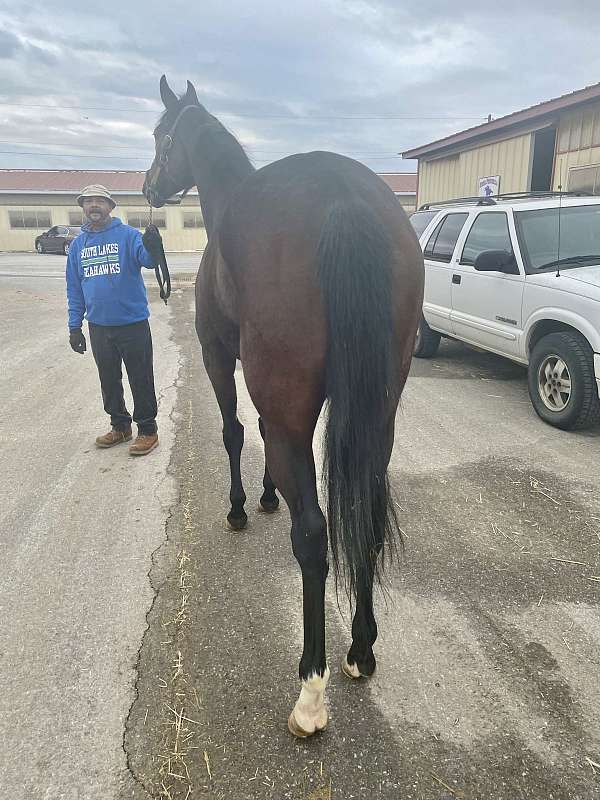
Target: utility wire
point(149, 158)
point(137, 149)
point(243, 116)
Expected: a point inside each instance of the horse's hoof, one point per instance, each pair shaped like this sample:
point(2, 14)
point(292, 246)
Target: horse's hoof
point(237, 523)
point(351, 670)
point(299, 732)
point(269, 506)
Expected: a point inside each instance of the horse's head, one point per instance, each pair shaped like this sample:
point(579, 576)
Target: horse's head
point(170, 171)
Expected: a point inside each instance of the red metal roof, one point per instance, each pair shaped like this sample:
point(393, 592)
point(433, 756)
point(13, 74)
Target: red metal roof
point(69, 180)
point(73, 180)
point(401, 182)
point(527, 115)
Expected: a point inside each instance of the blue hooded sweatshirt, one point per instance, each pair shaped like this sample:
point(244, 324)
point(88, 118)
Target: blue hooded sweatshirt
point(104, 279)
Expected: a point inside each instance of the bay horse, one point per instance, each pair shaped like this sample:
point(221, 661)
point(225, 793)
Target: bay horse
point(313, 278)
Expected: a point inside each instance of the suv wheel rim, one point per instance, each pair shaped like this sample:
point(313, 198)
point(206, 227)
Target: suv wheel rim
point(554, 383)
point(66, 249)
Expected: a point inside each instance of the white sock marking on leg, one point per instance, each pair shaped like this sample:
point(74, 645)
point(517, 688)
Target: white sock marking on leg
point(310, 711)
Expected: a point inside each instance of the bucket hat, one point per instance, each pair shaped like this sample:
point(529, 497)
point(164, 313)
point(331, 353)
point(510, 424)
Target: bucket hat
point(95, 190)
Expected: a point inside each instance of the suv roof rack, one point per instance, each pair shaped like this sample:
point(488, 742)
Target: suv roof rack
point(492, 201)
point(460, 201)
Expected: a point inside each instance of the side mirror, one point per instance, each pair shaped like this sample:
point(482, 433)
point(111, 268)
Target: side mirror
point(495, 261)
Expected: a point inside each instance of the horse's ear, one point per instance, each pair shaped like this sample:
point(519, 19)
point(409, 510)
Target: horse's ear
point(167, 95)
point(191, 98)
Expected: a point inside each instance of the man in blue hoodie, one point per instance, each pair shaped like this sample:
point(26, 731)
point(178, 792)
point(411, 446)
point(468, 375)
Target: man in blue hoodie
point(105, 284)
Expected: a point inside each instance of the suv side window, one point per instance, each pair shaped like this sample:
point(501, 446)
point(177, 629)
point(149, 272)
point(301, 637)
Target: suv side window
point(489, 232)
point(443, 240)
point(420, 220)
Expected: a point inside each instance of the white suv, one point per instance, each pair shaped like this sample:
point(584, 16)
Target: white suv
point(520, 276)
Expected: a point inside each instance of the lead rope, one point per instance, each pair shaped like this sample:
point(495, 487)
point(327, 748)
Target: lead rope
point(161, 268)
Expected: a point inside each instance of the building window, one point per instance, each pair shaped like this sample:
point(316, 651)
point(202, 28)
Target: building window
point(192, 219)
point(30, 218)
point(76, 218)
point(584, 179)
point(140, 219)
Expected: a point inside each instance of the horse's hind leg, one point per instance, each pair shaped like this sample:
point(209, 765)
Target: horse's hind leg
point(293, 470)
point(220, 366)
point(360, 661)
point(269, 501)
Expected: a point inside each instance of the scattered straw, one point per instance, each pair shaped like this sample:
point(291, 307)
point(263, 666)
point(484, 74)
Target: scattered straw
point(455, 792)
point(540, 600)
point(321, 794)
point(177, 667)
point(196, 700)
point(165, 793)
point(594, 765)
point(207, 762)
point(568, 561)
point(537, 487)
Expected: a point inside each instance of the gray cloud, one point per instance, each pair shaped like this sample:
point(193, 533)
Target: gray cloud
point(428, 68)
point(9, 44)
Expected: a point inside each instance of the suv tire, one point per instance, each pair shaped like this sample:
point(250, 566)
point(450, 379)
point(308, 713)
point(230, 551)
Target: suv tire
point(66, 248)
point(426, 342)
point(39, 247)
point(562, 384)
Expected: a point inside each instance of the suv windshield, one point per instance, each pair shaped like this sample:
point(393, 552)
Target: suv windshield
point(579, 237)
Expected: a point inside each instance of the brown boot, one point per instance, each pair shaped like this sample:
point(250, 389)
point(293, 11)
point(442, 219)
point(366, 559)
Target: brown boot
point(143, 444)
point(113, 437)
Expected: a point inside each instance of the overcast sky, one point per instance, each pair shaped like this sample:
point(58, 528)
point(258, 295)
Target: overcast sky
point(367, 78)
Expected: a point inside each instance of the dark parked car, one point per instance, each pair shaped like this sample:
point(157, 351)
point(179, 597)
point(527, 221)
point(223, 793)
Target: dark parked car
point(57, 240)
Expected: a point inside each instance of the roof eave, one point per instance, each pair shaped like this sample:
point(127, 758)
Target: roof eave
point(458, 142)
point(510, 122)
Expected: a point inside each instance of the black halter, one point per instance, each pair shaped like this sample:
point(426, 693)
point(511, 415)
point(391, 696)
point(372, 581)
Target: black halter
point(161, 162)
point(161, 268)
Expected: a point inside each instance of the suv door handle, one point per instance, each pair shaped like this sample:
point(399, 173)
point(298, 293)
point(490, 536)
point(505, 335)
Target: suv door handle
point(456, 278)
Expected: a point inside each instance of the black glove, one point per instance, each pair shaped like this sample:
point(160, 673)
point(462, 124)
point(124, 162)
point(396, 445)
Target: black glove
point(77, 340)
point(152, 241)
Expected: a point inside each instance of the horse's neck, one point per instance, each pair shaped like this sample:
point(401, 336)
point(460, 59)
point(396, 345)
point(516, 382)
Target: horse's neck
point(217, 174)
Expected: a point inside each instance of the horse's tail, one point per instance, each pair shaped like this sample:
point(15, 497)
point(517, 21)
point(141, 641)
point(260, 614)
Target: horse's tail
point(355, 272)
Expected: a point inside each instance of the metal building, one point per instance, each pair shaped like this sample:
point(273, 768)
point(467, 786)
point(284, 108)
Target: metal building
point(404, 186)
point(550, 145)
point(33, 201)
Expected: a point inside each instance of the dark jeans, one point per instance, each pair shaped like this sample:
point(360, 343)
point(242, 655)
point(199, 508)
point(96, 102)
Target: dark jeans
point(131, 345)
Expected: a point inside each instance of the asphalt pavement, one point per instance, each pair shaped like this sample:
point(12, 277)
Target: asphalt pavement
point(149, 652)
